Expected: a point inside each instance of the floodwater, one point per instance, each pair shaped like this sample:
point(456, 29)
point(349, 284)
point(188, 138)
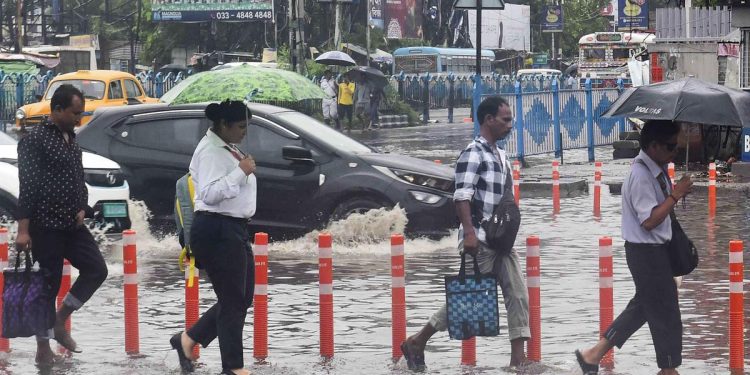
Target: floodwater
point(362, 298)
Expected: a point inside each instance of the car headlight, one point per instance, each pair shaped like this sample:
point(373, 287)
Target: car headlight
point(20, 114)
point(425, 197)
point(419, 179)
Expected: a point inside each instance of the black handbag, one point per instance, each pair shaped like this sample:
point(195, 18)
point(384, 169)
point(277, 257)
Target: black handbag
point(683, 255)
point(501, 228)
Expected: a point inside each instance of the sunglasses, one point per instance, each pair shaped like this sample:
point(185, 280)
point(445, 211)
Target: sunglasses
point(670, 146)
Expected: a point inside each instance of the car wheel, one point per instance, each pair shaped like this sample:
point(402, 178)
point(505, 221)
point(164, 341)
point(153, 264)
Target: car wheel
point(358, 205)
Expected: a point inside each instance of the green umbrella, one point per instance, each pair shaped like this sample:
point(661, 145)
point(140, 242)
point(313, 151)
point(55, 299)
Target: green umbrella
point(244, 82)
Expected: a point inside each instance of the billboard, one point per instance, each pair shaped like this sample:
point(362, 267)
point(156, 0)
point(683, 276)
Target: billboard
point(211, 10)
point(507, 29)
point(632, 14)
point(403, 19)
point(376, 13)
point(552, 19)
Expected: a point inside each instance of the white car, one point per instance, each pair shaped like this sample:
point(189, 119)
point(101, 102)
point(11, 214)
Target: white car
point(108, 190)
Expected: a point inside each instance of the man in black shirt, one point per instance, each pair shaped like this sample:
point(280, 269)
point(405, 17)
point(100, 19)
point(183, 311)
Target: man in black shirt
point(51, 207)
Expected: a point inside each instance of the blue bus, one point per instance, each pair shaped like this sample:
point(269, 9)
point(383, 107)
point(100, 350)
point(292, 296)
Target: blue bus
point(459, 61)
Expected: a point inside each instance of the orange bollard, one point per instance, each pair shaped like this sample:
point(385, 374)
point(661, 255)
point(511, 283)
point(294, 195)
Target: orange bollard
point(712, 189)
point(736, 307)
point(192, 300)
point(260, 301)
point(597, 188)
point(533, 282)
point(130, 272)
point(670, 172)
point(555, 186)
point(517, 182)
point(4, 343)
point(325, 269)
point(469, 352)
point(61, 293)
point(606, 300)
point(398, 295)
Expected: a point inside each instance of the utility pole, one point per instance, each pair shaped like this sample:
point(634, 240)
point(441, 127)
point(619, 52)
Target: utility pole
point(18, 42)
point(336, 29)
point(367, 31)
point(44, 22)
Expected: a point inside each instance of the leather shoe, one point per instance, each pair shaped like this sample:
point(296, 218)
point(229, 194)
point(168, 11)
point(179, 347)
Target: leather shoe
point(185, 363)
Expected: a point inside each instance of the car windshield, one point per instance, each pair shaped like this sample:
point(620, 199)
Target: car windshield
point(325, 134)
point(91, 89)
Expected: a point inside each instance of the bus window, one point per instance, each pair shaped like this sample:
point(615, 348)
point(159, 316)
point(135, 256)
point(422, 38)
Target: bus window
point(594, 54)
point(621, 53)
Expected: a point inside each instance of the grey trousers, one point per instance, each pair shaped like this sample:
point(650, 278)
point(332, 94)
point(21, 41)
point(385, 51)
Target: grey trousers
point(510, 278)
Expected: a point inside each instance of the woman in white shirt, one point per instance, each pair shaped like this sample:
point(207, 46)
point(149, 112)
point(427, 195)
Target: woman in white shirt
point(225, 199)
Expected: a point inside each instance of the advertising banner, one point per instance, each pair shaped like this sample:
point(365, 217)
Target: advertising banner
point(376, 13)
point(403, 19)
point(212, 10)
point(507, 29)
point(552, 19)
point(632, 15)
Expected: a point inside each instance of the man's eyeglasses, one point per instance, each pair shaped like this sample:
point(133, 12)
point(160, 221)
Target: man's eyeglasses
point(670, 146)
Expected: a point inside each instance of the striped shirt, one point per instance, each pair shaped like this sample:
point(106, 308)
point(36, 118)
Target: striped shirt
point(481, 173)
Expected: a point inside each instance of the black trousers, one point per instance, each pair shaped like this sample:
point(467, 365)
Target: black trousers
point(221, 247)
point(346, 110)
point(49, 247)
point(655, 302)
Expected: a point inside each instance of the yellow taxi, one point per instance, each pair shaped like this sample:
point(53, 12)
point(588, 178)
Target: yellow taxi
point(101, 88)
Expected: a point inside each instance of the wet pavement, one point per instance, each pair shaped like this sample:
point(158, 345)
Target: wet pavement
point(569, 263)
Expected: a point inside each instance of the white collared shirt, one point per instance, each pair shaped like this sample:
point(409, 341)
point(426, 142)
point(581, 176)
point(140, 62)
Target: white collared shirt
point(221, 185)
point(329, 87)
point(641, 193)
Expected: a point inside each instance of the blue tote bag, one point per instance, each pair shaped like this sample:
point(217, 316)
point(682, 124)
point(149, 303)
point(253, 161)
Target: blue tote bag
point(471, 302)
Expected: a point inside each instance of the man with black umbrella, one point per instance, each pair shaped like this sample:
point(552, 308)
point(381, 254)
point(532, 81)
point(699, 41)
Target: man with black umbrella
point(647, 204)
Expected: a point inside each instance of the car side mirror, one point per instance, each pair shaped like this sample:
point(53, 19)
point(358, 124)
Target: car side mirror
point(296, 153)
point(38, 98)
point(132, 101)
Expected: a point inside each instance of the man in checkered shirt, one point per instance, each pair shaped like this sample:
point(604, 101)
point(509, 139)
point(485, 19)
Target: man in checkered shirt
point(482, 179)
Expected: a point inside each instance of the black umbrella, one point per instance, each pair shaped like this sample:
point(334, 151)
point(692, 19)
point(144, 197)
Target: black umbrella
point(335, 58)
point(374, 76)
point(686, 100)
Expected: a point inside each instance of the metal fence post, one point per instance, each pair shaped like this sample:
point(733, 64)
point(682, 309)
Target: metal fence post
point(451, 96)
point(556, 117)
point(519, 123)
point(476, 99)
point(426, 98)
point(19, 91)
point(590, 119)
point(400, 79)
point(620, 89)
point(159, 85)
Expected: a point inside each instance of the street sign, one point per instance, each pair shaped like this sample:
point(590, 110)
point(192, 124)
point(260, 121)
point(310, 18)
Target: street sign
point(745, 144)
point(486, 4)
point(539, 59)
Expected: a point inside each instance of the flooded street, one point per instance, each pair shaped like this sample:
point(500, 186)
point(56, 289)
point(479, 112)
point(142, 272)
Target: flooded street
point(569, 287)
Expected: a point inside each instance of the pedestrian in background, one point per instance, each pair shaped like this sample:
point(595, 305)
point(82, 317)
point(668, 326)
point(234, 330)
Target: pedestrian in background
point(647, 203)
point(52, 204)
point(330, 104)
point(362, 99)
point(483, 177)
point(225, 199)
point(346, 99)
point(376, 97)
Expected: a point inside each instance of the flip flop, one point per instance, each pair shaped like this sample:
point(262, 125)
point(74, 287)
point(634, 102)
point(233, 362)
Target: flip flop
point(586, 368)
point(414, 361)
point(185, 363)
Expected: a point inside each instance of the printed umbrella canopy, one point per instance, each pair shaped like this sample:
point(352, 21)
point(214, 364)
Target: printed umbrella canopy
point(243, 82)
point(335, 58)
point(686, 100)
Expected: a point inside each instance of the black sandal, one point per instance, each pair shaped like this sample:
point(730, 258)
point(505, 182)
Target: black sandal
point(185, 363)
point(586, 368)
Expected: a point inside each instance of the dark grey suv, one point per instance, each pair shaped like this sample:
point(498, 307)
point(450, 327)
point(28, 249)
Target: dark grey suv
point(307, 172)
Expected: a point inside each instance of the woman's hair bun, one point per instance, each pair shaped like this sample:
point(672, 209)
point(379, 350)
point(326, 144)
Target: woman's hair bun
point(213, 112)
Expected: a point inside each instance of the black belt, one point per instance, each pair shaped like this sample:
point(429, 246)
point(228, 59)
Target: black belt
point(651, 245)
point(221, 216)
